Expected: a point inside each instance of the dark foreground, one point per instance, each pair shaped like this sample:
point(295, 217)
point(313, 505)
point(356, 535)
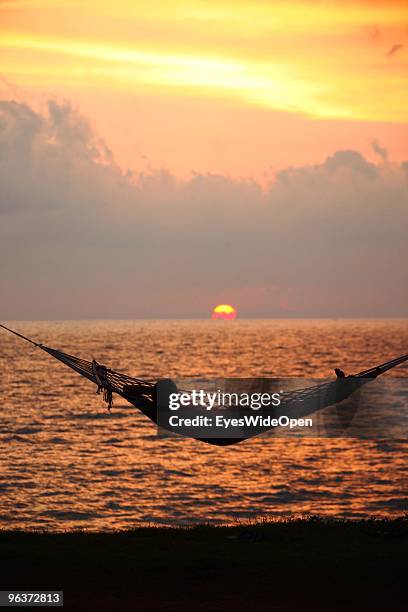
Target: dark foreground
point(298, 565)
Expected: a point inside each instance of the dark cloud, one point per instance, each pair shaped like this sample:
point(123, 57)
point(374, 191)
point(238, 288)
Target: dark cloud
point(80, 238)
point(394, 49)
point(381, 151)
point(352, 160)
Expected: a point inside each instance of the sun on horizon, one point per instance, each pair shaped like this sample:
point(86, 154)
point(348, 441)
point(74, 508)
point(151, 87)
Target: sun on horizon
point(224, 311)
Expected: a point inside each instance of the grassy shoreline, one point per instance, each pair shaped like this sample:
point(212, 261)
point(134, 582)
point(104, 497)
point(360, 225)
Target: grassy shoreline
point(293, 565)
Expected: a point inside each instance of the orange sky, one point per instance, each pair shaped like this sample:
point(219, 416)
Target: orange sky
point(241, 88)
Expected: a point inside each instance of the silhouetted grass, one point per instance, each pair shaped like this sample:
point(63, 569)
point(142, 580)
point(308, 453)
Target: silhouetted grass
point(308, 564)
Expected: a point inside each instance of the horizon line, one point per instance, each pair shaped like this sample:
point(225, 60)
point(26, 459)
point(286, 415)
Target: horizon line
point(209, 319)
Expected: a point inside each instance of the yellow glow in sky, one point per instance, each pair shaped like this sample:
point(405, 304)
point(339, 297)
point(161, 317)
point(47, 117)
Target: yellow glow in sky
point(323, 60)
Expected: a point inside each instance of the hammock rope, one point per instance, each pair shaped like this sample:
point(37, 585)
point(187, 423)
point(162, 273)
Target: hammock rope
point(107, 381)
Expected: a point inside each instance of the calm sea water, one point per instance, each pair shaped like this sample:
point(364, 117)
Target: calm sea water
point(68, 463)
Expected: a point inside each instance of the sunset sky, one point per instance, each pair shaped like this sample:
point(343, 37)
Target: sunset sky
point(142, 108)
point(244, 86)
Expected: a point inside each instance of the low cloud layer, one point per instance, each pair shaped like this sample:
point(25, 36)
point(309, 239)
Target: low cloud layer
point(80, 238)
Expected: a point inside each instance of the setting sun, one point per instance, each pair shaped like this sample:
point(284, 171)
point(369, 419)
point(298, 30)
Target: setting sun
point(224, 311)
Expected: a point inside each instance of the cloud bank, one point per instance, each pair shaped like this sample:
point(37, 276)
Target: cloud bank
point(80, 238)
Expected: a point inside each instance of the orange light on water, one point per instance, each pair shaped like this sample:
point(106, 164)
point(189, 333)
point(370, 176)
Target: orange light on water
point(224, 311)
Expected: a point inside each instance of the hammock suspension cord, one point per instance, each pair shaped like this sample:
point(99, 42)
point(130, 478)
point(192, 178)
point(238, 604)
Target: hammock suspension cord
point(107, 381)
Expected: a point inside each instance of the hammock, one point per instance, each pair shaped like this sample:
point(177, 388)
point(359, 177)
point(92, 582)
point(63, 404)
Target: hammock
point(142, 394)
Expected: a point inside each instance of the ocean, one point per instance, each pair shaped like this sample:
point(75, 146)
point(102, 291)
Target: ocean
point(66, 462)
